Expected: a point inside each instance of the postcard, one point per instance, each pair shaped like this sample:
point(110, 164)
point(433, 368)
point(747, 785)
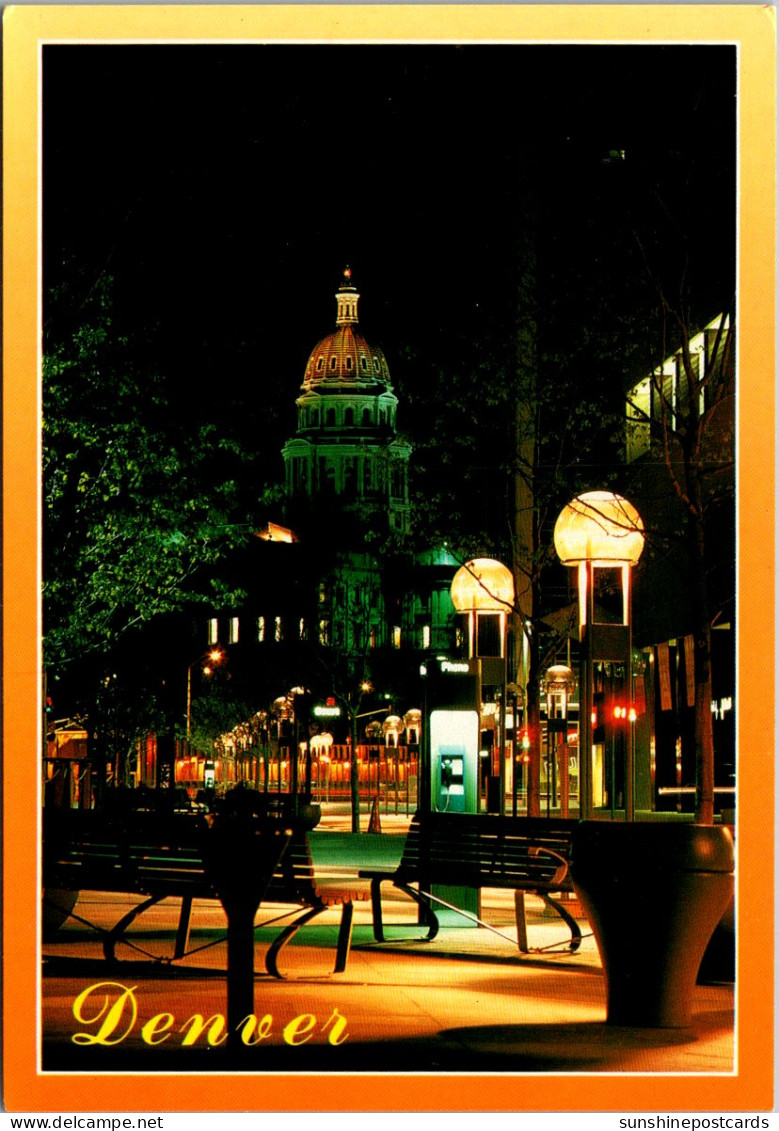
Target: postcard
point(388, 535)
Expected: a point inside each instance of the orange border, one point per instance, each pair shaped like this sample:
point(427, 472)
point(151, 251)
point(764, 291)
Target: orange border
point(753, 28)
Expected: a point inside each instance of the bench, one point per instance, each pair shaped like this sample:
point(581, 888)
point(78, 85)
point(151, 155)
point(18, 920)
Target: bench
point(172, 855)
point(480, 850)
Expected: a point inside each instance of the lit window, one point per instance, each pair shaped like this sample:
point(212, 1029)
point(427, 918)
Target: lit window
point(324, 632)
point(233, 630)
point(260, 629)
point(302, 629)
point(396, 636)
point(277, 629)
point(638, 416)
point(213, 631)
point(425, 635)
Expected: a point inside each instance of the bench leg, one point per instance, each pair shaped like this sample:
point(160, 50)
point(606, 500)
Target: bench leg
point(110, 938)
point(182, 933)
point(565, 915)
point(378, 922)
point(343, 945)
point(344, 938)
point(427, 918)
point(519, 910)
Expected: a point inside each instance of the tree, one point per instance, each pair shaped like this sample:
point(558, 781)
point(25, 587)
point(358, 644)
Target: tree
point(140, 503)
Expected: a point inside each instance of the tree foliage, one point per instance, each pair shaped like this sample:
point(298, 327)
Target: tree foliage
point(137, 497)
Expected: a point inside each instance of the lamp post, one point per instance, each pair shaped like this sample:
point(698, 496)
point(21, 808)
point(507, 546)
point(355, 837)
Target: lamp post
point(600, 531)
point(678, 877)
point(215, 656)
point(557, 684)
point(483, 589)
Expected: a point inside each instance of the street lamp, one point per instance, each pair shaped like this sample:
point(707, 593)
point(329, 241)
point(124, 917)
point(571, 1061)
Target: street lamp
point(412, 721)
point(600, 531)
point(215, 656)
point(557, 685)
point(484, 590)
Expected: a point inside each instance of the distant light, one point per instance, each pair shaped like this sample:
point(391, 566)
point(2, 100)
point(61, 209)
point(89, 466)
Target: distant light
point(275, 533)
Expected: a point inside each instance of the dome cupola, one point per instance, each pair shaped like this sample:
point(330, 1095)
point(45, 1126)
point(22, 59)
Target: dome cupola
point(345, 357)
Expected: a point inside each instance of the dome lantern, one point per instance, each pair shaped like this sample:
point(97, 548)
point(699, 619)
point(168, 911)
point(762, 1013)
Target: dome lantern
point(347, 299)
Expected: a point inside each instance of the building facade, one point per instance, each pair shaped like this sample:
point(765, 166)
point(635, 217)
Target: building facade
point(680, 428)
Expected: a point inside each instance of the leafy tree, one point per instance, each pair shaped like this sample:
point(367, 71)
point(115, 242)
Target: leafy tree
point(140, 502)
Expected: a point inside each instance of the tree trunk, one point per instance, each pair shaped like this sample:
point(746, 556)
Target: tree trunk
point(525, 526)
point(704, 727)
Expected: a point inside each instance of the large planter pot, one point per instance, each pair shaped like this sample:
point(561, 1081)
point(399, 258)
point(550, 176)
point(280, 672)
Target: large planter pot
point(653, 894)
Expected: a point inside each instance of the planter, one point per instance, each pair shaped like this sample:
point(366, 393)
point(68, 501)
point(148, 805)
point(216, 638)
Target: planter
point(653, 894)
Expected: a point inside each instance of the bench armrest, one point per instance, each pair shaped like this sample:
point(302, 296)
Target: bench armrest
point(562, 868)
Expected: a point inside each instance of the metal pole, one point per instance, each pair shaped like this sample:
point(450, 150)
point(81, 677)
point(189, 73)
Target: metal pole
point(630, 757)
point(585, 707)
point(189, 701)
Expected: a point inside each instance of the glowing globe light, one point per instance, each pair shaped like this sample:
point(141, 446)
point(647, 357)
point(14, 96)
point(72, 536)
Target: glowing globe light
point(599, 527)
point(483, 585)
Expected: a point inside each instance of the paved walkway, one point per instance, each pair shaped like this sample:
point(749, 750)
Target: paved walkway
point(468, 1001)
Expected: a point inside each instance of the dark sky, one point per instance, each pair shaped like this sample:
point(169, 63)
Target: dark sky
point(226, 186)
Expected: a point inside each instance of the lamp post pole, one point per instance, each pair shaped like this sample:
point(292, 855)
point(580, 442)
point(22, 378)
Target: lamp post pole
point(601, 530)
point(215, 656)
point(484, 587)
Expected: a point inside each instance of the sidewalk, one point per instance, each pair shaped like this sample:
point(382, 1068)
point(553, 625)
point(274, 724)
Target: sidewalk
point(466, 1002)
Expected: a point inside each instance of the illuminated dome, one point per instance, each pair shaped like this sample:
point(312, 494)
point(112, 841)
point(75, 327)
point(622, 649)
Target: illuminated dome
point(345, 357)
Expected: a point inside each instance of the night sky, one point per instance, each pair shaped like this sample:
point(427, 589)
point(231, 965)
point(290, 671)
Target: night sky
point(226, 186)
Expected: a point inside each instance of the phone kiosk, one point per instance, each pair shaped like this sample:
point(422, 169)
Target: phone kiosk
point(453, 760)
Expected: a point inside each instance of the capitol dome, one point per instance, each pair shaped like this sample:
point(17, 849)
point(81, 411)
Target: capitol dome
point(345, 357)
point(347, 445)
